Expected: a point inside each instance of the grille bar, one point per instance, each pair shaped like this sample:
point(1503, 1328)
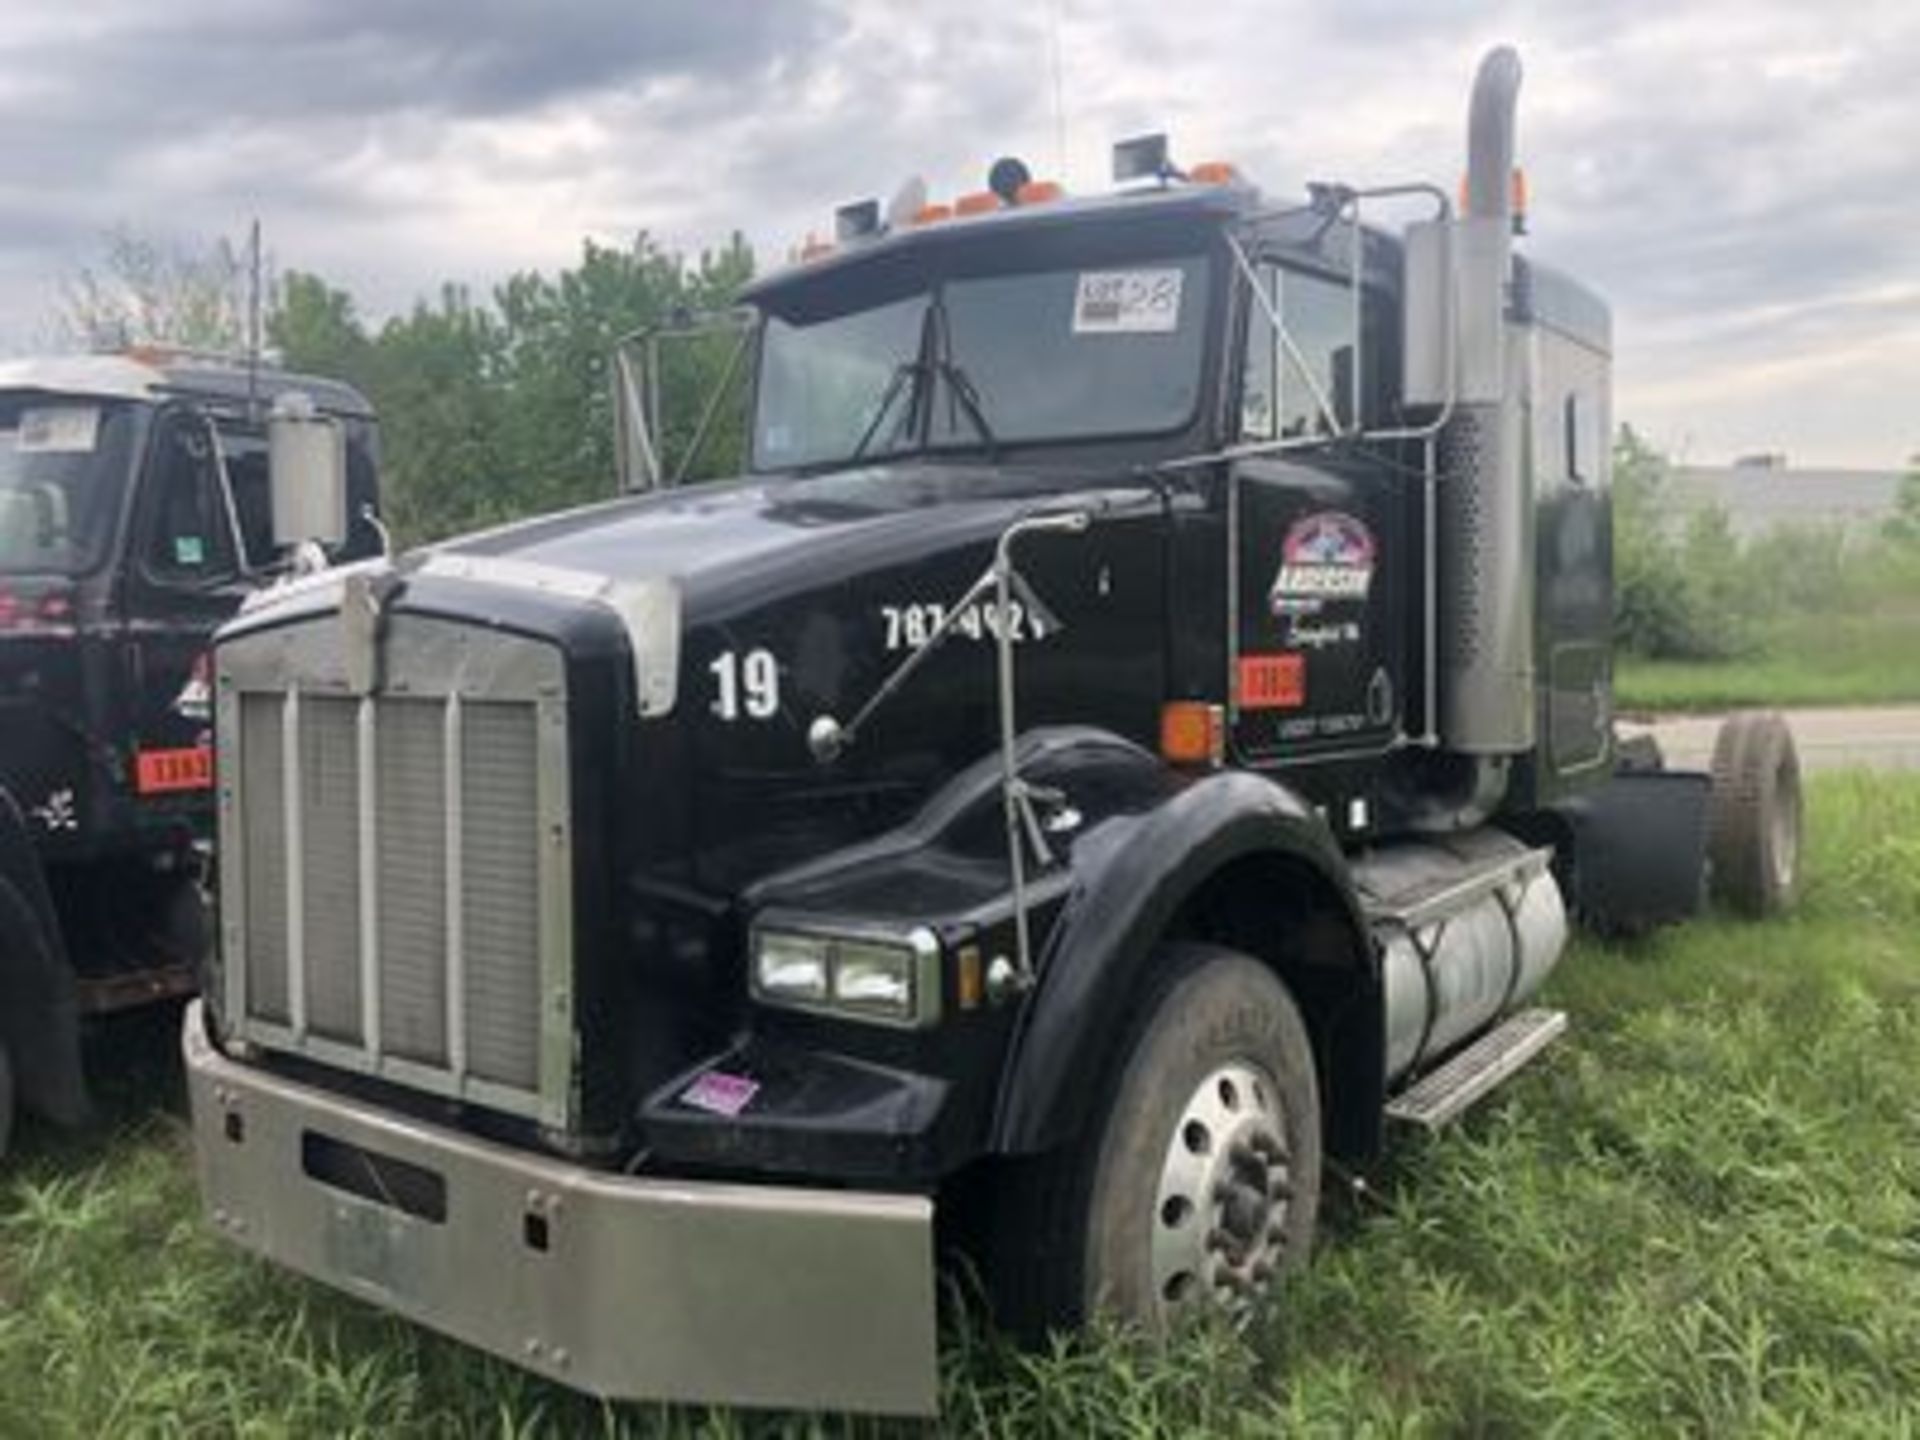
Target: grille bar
point(390, 905)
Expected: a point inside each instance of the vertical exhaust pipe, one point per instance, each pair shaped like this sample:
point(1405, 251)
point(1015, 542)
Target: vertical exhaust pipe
point(1486, 559)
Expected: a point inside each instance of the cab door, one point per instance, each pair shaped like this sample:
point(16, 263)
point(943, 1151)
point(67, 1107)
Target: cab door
point(185, 575)
point(1318, 558)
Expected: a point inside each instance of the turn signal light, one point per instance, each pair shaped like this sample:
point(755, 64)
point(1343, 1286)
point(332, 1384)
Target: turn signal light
point(1192, 732)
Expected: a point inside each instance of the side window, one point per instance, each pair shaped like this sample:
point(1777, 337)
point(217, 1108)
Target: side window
point(246, 456)
point(190, 534)
point(1283, 393)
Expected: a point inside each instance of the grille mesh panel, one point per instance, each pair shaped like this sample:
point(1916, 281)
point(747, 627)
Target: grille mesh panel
point(411, 833)
point(499, 853)
point(330, 865)
point(264, 836)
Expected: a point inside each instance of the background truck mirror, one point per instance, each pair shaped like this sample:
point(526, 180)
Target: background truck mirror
point(307, 461)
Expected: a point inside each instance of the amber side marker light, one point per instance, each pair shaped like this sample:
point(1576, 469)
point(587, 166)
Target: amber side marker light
point(980, 202)
point(1214, 172)
point(1192, 732)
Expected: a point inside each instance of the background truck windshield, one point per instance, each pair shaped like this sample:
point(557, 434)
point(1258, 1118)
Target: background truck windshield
point(64, 463)
point(1049, 355)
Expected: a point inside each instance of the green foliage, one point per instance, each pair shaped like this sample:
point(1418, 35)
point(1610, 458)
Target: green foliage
point(1699, 1214)
point(1903, 528)
point(494, 410)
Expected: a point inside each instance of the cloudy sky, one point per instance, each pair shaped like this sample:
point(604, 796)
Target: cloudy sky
point(1740, 177)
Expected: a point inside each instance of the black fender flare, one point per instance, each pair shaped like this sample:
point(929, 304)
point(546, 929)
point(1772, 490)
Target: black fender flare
point(39, 999)
point(1130, 883)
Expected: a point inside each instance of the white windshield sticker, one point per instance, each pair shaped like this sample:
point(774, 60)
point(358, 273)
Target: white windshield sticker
point(1127, 302)
point(68, 430)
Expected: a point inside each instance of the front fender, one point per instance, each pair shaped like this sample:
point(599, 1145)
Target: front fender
point(39, 1004)
point(1131, 878)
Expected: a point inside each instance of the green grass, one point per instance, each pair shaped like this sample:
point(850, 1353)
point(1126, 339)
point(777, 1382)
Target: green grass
point(1859, 659)
point(1700, 1214)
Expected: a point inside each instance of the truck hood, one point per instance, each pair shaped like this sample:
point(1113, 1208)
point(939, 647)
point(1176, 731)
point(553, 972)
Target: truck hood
point(738, 542)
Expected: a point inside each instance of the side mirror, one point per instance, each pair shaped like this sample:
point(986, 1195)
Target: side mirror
point(307, 464)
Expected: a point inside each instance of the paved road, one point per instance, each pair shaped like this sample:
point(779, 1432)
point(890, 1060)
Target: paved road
point(1885, 737)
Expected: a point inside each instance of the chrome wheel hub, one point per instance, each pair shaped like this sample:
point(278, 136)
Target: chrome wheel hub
point(1219, 1219)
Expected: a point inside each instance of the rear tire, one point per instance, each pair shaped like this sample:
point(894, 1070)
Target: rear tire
point(1198, 1181)
point(1754, 820)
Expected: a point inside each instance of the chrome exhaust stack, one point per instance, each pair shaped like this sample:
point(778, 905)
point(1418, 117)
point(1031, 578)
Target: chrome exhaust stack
point(1486, 550)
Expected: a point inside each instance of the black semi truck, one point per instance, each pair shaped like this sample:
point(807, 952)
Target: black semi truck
point(138, 507)
point(1139, 730)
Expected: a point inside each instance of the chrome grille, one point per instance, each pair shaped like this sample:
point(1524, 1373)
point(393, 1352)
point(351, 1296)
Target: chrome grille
point(393, 874)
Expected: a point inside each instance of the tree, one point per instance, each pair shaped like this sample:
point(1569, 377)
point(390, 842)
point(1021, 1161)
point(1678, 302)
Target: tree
point(148, 291)
point(1903, 527)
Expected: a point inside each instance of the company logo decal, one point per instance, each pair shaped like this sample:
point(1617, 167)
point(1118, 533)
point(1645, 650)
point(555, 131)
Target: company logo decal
point(1325, 557)
point(59, 813)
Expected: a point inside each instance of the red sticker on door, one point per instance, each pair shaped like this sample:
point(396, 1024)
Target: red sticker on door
point(167, 772)
point(1273, 682)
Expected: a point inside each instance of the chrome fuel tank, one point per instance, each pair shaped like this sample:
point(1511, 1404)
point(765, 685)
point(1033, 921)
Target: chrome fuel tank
point(1469, 927)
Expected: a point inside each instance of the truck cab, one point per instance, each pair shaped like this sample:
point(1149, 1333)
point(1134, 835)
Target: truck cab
point(137, 511)
point(1139, 726)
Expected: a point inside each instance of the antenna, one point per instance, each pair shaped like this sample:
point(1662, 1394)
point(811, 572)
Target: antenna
point(253, 322)
point(1059, 103)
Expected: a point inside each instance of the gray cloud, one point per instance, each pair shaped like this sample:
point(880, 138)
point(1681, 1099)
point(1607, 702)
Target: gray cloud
point(1736, 175)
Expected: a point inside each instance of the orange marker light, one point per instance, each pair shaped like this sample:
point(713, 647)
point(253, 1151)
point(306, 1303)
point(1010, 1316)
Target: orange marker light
point(970, 985)
point(1192, 732)
point(1214, 172)
point(1038, 192)
point(932, 214)
point(815, 248)
point(978, 203)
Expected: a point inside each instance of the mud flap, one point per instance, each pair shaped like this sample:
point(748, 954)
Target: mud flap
point(1639, 850)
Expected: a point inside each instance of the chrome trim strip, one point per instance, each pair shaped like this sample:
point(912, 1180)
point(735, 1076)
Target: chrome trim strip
point(455, 894)
point(367, 742)
point(553, 816)
point(296, 866)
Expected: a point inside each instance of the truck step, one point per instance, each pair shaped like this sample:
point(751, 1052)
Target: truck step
point(1443, 1095)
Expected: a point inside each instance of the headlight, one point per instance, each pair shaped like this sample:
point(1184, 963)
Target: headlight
point(891, 979)
point(787, 966)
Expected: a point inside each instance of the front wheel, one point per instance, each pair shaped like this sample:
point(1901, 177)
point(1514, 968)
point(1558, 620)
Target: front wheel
point(1199, 1181)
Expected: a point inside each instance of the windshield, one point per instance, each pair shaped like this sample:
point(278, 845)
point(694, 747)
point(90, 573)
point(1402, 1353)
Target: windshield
point(998, 359)
point(63, 468)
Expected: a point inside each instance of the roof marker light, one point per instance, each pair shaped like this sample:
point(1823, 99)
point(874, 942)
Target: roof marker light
point(980, 202)
point(1214, 172)
point(1039, 192)
point(931, 214)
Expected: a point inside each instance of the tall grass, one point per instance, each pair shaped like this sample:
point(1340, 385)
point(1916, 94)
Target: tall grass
point(1700, 1214)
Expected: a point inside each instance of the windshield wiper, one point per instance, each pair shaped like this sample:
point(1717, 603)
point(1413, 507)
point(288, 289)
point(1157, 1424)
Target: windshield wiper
point(960, 387)
point(905, 371)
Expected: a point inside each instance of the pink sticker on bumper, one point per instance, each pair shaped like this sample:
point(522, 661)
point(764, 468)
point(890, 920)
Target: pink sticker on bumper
point(719, 1093)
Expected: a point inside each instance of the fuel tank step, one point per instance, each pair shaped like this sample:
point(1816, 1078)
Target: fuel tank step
point(1445, 1094)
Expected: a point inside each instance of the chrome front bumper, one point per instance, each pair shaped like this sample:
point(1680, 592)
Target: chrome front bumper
point(624, 1287)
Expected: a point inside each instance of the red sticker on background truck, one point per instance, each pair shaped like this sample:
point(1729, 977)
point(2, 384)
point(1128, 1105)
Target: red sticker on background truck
point(1273, 682)
point(167, 772)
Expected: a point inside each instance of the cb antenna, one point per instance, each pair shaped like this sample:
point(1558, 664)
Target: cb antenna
point(1059, 102)
point(253, 322)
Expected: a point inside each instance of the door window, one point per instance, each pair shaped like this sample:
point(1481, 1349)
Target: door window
point(190, 540)
point(1287, 395)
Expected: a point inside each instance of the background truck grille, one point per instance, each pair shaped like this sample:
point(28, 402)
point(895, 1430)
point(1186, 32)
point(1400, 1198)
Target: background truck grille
point(394, 894)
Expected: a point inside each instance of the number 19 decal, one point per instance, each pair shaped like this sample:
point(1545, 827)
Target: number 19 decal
point(748, 684)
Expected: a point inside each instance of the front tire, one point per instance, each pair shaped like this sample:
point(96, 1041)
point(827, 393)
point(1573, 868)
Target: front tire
point(1198, 1182)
